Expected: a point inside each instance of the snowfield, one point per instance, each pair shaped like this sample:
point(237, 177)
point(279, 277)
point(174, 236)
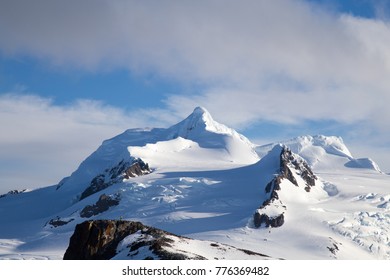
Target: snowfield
point(206, 182)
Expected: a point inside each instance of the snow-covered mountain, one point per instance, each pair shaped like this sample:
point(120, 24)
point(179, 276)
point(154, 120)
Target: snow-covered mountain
point(203, 183)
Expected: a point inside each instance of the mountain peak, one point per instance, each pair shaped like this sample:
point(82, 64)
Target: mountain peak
point(199, 121)
point(200, 117)
point(200, 111)
point(201, 128)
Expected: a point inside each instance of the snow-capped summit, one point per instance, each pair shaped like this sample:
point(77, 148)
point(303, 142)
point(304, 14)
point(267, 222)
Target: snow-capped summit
point(197, 122)
point(214, 144)
point(202, 129)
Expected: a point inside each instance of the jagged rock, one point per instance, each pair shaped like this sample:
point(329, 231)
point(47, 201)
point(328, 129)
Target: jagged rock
point(334, 247)
point(13, 192)
point(101, 239)
point(288, 160)
point(98, 240)
point(137, 169)
point(264, 219)
point(102, 205)
point(110, 176)
point(57, 222)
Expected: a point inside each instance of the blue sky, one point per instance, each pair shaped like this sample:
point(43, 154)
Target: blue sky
point(73, 74)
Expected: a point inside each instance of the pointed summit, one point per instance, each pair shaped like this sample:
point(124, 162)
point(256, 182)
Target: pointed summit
point(200, 127)
point(199, 119)
point(197, 123)
point(200, 111)
point(200, 114)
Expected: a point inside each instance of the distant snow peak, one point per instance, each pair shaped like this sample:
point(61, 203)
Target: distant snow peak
point(319, 151)
point(366, 163)
point(330, 144)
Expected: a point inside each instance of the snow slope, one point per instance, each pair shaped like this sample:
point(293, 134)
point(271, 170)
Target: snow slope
point(207, 182)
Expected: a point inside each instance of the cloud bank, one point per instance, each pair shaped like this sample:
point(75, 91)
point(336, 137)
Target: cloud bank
point(284, 61)
point(246, 54)
point(41, 142)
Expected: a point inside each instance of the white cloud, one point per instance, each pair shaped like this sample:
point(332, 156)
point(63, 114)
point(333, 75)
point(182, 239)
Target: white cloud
point(282, 60)
point(41, 142)
point(252, 52)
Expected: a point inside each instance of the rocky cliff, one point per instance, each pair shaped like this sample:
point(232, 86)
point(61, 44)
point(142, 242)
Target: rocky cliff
point(113, 239)
point(271, 212)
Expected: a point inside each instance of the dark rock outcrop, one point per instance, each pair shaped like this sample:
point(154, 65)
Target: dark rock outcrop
point(13, 192)
point(57, 222)
point(288, 161)
point(334, 246)
point(138, 168)
point(99, 239)
point(123, 170)
point(264, 219)
point(102, 205)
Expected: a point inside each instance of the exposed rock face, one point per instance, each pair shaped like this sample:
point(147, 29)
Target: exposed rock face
point(57, 222)
point(138, 168)
point(98, 240)
point(102, 205)
point(288, 161)
point(260, 219)
point(107, 239)
point(123, 170)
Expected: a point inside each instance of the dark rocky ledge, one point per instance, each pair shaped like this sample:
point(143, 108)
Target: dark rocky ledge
point(99, 240)
point(123, 170)
point(102, 205)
